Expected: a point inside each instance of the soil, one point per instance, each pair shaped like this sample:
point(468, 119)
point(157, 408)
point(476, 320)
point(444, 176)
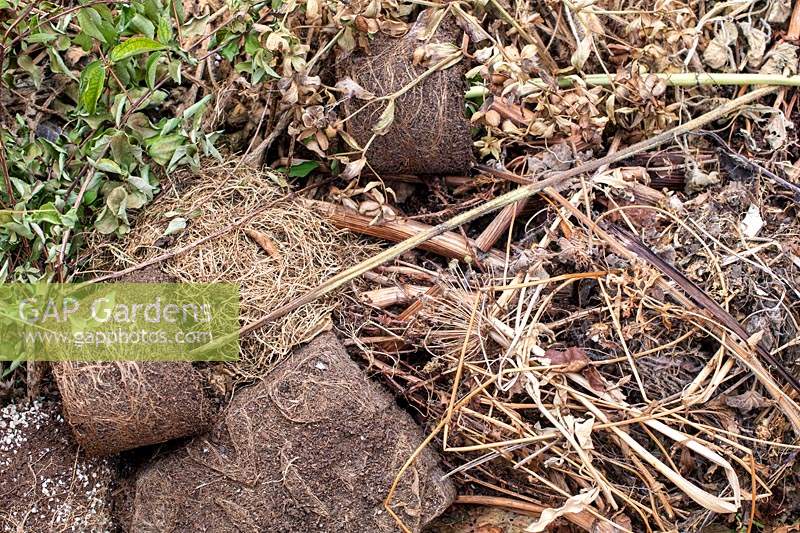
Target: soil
point(315, 447)
point(480, 519)
point(46, 483)
point(149, 274)
point(429, 134)
point(123, 405)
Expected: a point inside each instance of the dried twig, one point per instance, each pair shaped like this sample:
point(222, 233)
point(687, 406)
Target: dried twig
point(556, 179)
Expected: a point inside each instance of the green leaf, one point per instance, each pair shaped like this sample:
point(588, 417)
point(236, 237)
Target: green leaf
point(151, 67)
point(57, 64)
point(136, 200)
point(161, 149)
point(123, 152)
point(26, 63)
point(89, 21)
point(178, 5)
point(251, 44)
point(107, 165)
point(175, 225)
point(93, 79)
point(174, 69)
point(46, 213)
point(20, 229)
point(230, 50)
point(116, 200)
point(70, 218)
point(134, 46)
point(194, 108)
point(107, 222)
point(142, 25)
point(41, 37)
point(142, 186)
point(301, 170)
point(164, 30)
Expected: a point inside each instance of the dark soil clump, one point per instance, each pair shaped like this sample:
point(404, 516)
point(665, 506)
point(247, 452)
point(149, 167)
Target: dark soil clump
point(429, 134)
point(118, 406)
point(315, 447)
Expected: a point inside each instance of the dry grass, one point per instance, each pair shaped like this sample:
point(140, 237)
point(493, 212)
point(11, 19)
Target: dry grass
point(636, 406)
point(307, 250)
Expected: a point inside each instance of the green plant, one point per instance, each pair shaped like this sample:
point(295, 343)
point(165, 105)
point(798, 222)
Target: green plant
point(87, 123)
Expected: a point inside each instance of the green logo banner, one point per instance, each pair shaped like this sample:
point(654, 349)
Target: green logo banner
point(119, 322)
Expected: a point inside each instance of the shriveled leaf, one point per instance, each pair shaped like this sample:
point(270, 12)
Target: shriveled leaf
point(756, 44)
point(582, 53)
point(782, 59)
point(135, 46)
point(431, 54)
point(779, 10)
point(350, 88)
point(747, 401)
point(353, 168)
point(263, 241)
point(385, 120)
point(752, 222)
point(576, 360)
point(574, 504)
point(718, 53)
point(776, 130)
point(369, 207)
point(470, 25)
point(350, 140)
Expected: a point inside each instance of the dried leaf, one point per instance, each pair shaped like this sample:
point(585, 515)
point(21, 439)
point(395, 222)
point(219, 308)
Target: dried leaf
point(350, 140)
point(776, 130)
point(782, 59)
point(747, 401)
point(175, 225)
point(576, 361)
point(350, 88)
point(369, 207)
point(353, 169)
point(717, 53)
point(264, 242)
point(431, 54)
point(470, 25)
point(696, 179)
point(779, 10)
point(582, 53)
point(756, 44)
point(385, 120)
point(752, 222)
point(574, 504)
point(582, 429)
